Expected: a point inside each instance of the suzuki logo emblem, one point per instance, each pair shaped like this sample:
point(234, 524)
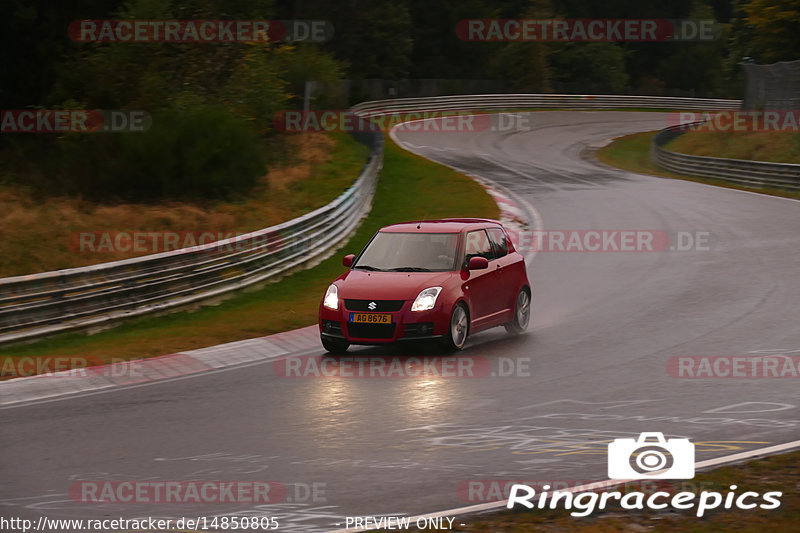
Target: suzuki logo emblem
point(372, 306)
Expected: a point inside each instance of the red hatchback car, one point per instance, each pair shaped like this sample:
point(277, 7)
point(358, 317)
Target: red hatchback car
point(434, 279)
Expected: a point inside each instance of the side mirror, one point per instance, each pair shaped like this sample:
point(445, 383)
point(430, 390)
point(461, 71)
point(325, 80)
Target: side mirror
point(478, 263)
point(348, 260)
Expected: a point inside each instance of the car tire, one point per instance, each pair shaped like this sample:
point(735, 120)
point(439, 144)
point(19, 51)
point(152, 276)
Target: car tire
point(336, 347)
point(458, 330)
point(522, 313)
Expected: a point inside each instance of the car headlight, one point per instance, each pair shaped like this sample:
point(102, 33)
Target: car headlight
point(426, 299)
point(331, 300)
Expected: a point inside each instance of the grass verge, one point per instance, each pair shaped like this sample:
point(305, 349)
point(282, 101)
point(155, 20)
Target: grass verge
point(410, 188)
point(774, 473)
point(315, 169)
point(632, 153)
point(774, 146)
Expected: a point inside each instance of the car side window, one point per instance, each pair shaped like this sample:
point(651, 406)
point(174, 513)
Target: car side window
point(498, 238)
point(478, 245)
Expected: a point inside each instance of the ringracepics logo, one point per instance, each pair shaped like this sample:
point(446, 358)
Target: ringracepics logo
point(588, 501)
point(641, 458)
point(586, 30)
point(199, 31)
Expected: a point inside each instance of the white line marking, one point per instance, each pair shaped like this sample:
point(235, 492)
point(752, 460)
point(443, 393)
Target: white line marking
point(493, 506)
point(69, 396)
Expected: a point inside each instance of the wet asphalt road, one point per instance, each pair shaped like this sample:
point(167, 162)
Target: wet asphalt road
point(592, 368)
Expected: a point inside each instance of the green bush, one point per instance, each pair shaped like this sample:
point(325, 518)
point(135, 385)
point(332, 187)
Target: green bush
point(203, 153)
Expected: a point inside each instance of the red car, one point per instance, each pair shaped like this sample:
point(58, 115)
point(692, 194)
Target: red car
point(434, 279)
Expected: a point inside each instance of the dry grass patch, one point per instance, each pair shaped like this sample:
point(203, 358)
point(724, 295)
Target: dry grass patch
point(41, 234)
point(632, 152)
point(775, 146)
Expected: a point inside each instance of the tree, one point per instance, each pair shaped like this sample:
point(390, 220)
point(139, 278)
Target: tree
point(33, 41)
point(525, 65)
point(590, 67)
point(371, 37)
point(774, 27)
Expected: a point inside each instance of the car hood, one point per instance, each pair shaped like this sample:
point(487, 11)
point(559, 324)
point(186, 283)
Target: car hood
point(363, 285)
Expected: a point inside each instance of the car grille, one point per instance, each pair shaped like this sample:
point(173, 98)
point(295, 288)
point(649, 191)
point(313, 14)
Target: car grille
point(370, 331)
point(380, 305)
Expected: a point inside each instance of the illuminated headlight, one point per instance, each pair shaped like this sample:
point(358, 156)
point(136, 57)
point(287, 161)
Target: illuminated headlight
point(331, 300)
point(426, 299)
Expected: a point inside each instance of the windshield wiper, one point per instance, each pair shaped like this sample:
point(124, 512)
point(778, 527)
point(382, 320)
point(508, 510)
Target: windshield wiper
point(367, 267)
point(410, 269)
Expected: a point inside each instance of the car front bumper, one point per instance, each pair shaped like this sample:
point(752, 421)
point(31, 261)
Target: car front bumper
point(406, 325)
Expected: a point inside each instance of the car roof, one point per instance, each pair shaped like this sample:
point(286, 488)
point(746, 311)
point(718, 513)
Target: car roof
point(445, 225)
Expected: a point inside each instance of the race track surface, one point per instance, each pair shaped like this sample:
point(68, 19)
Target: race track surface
point(592, 368)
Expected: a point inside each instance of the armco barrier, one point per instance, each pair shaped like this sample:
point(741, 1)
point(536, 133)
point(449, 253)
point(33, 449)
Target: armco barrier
point(756, 174)
point(563, 101)
point(88, 297)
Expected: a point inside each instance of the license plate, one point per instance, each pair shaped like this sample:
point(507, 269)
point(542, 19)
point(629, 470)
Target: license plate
point(371, 318)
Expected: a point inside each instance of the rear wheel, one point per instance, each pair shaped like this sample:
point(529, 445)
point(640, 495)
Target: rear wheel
point(522, 313)
point(335, 346)
point(459, 329)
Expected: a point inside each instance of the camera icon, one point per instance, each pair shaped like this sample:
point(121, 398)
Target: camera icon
point(644, 459)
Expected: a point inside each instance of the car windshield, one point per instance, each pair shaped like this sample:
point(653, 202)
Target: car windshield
point(410, 252)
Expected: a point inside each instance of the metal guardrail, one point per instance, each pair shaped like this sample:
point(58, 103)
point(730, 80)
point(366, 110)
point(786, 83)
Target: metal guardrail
point(566, 101)
point(80, 298)
point(88, 297)
point(756, 174)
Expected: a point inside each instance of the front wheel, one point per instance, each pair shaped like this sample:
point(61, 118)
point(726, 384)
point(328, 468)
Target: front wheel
point(457, 333)
point(522, 314)
point(334, 346)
